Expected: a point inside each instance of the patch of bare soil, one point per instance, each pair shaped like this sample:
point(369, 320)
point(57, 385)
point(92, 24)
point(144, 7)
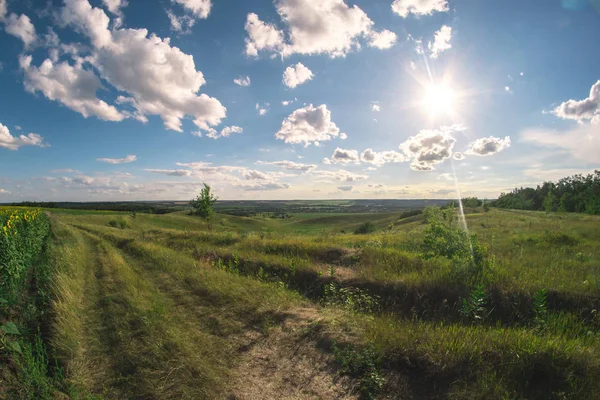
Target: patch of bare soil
point(287, 364)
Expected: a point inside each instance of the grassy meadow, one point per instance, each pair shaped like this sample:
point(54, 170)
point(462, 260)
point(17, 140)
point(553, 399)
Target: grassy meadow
point(162, 307)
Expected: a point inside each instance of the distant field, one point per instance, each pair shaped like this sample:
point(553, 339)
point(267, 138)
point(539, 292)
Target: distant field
point(158, 306)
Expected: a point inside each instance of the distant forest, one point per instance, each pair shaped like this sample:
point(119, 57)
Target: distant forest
point(577, 193)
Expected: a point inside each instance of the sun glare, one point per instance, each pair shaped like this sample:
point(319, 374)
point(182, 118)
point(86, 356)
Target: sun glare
point(439, 99)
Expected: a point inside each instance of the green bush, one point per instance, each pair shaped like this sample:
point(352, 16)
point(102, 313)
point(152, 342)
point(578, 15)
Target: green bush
point(367, 227)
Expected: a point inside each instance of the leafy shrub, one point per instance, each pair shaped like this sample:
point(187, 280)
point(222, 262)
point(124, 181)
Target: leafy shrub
point(351, 298)
point(362, 364)
point(443, 239)
point(474, 307)
point(367, 227)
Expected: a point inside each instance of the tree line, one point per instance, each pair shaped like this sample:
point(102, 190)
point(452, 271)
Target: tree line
point(577, 193)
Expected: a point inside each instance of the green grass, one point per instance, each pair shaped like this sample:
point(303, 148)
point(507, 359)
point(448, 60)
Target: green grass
point(158, 306)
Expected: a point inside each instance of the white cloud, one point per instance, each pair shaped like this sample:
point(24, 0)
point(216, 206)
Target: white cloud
point(488, 146)
point(290, 165)
point(581, 110)
point(3, 191)
point(554, 174)
point(582, 142)
point(441, 41)
point(430, 147)
point(344, 156)
point(115, 6)
point(20, 27)
point(458, 156)
point(314, 27)
point(288, 102)
point(375, 108)
point(235, 175)
point(261, 36)
point(200, 8)
point(157, 78)
point(171, 172)
point(130, 158)
point(308, 125)
point(225, 132)
point(339, 175)
point(383, 157)
point(3, 9)
point(382, 40)
point(419, 7)
point(71, 85)
point(10, 142)
point(254, 175)
point(65, 171)
point(182, 24)
point(242, 81)
point(345, 188)
point(295, 75)
point(266, 186)
point(262, 110)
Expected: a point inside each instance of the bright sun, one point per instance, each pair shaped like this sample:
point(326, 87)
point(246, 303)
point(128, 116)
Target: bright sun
point(439, 99)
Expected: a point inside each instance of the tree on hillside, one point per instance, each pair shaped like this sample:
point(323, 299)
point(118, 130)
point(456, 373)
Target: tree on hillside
point(203, 204)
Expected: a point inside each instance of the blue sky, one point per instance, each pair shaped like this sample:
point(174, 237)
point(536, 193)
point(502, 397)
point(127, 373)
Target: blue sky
point(295, 99)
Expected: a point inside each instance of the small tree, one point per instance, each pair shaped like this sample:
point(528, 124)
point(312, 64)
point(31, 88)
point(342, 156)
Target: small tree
point(203, 204)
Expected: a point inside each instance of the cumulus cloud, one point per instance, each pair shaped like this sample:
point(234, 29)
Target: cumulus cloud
point(200, 8)
point(343, 156)
point(382, 40)
point(375, 108)
point(582, 110)
point(128, 159)
point(458, 156)
point(345, 188)
point(3, 9)
point(419, 7)
point(20, 27)
point(290, 165)
point(308, 125)
point(155, 78)
point(225, 132)
point(71, 85)
point(115, 6)
point(383, 157)
point(488, 146)
point(242, 81)
point(295, 75)
point(261, 36)
point(430, 147)
point(328, 27)
point(10, 142)
point(441, 41)
point(171, 172)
